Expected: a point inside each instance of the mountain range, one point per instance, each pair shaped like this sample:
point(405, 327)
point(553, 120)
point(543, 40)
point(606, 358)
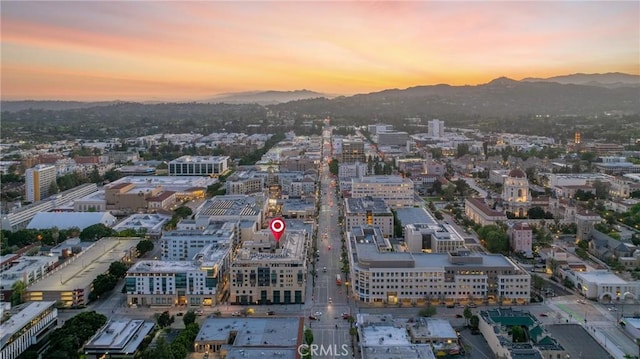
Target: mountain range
point(576, 94)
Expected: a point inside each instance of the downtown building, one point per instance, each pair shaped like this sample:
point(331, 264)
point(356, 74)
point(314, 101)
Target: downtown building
point(396, 191)
point(432, 238)
point(194, 283)
point(27, 324)
point(368, 211)
point(186, 244)
point(266, 271)
point(211, 166)
point(378, 274)
point(38, 181)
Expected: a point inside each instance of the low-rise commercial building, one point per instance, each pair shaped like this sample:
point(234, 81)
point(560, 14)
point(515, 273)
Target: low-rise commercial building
point(251, 337)
point(28, 324)
point(381, 275)
point(383, 338)
point(603, 285)
point(368, 211)
point(495, 325)
point(118, 338)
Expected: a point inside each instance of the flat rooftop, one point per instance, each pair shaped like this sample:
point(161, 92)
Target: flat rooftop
point(86, 266)
point(156, 266)
point(414, 215)
point(413, 351)
point(122, 336)
point(230, 205)
point(169, 183)
point(265, 332)
point(601, 277)
point(263, 353)
point(17, 321)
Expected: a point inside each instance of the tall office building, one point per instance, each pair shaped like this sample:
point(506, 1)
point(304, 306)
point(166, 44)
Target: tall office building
point(38, 181)
point(436, 128)
point(353, 151)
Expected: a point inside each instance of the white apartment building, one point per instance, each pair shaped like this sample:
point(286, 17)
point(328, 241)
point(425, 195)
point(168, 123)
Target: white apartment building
point(378, 274)
point(432, 238)
point(396, 191)
point(167, 283)
point(199, 166)
point(26, 269)
point(270, 272)
point(27, 327)
point(184, 245)
point(38, 181)
point(368, 211)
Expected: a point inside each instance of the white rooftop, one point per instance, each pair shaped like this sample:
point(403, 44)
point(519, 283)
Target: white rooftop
point(20, 319)
point(601, 277)
point(154, 266)
point(66, 220)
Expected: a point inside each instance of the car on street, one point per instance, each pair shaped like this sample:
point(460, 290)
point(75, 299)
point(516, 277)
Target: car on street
point(330, 300)
point(324, 269)
point(271, 312)
point(235, 314)
point(180, 314)
point(313, 317)
point(472, 305)
point(543, 315)
point(459, 316)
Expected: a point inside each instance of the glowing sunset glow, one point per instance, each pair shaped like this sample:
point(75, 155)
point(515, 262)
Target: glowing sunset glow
point(183, 50)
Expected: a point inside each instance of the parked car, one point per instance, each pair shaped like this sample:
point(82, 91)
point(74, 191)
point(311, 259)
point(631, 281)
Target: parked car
point(472, 305)
point(271, 312)
point(235, 314)
point(313, 317)
point(543, 315)
point(459, 316)
point(180, 314)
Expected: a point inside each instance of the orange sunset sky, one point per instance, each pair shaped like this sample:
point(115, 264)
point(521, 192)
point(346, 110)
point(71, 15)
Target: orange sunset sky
point(186, 50)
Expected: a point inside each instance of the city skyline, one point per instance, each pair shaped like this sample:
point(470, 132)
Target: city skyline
point(174, 51)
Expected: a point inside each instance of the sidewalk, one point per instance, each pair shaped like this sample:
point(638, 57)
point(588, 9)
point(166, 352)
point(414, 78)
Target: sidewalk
point(602, 337)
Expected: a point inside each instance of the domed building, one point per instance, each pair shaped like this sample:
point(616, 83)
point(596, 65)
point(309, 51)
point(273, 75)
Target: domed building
point(515, 193)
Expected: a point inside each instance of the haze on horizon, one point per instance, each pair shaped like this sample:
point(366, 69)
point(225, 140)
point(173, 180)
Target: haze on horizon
point(173, 51)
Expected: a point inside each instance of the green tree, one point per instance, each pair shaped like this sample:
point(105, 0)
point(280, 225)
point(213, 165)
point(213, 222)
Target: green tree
point(467, 314)
point(102, 284)
point(96, 231)
point(428, 311)
point(308, 336)
point(189, 317)
point(117, 269)
point(144, 246)
point(333, 166)
point(518, 334)
point(183, 212)
point(474, 322)
point(17, 292)
point(165, 319)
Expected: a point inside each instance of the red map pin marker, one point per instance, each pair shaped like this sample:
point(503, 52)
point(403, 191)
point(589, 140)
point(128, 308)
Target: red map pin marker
point(277, 227)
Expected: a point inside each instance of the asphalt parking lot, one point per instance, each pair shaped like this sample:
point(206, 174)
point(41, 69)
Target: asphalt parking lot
point(577, 341)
